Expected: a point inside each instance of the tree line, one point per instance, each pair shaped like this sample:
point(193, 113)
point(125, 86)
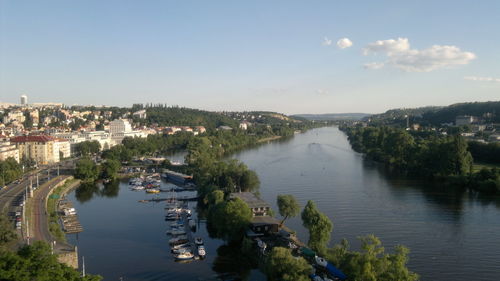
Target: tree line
point(439, 158)
point(10, 170)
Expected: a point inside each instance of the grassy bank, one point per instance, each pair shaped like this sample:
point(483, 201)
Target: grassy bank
point(53, 216)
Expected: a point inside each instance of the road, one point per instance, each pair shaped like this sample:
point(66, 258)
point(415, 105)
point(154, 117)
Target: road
point(14, 193)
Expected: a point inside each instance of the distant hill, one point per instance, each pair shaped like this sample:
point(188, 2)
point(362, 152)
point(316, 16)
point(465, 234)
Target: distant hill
point(436, 115)
point(332, 116)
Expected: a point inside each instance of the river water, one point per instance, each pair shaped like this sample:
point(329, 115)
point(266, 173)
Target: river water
point(451, 235)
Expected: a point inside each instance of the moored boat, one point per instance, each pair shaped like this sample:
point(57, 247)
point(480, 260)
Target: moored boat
point(184, 256)
point(201, 251)
point(151, 190)
point(198, 241)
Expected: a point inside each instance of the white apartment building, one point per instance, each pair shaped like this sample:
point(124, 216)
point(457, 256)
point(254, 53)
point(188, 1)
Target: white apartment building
point(7, 150)
point(42, 149)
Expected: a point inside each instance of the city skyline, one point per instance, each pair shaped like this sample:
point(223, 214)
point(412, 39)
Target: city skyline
point(284, 56)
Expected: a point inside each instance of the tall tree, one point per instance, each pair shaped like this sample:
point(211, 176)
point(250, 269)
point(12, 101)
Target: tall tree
point(282, 266)
point(230, 218)
point(372, 263)
point(86, 170)
point(288, 206)
point(320, 227)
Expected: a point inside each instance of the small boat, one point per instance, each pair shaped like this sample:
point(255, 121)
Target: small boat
point(201, 251)
point(177, 224)
point(184, 256)
point(178, 240)
point(198, 241)
point(321, 261)
point(178, 246)
point(176, 232)
point(152, 190)
point(181, 250)
point(137, 187)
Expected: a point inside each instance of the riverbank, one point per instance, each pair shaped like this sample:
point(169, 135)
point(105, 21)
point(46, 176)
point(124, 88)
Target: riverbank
point(269, 139)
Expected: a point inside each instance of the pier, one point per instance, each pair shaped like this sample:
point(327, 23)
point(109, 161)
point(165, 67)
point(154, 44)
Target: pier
point(69, 218)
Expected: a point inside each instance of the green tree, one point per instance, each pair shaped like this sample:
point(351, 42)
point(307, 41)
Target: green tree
point(87, 147)
point(35, 262)
point(230, 219)
point(371, 263)
point(7, 233)
point(86, 170)
point(282, 266)
point(288, 206)
point(110, 169)
point(319, 225)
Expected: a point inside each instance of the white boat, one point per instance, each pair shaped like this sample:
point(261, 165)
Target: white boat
point(321, 261)
point(184, 256)
point(192, 224)
point(198, 241)
point(181, 250)
point(201, 251)
point(177, 224)
point(178, 240)
point(137, 187)
point(185, 245)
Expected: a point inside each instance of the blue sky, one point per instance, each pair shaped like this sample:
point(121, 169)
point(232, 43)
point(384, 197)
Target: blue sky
point(251, 55)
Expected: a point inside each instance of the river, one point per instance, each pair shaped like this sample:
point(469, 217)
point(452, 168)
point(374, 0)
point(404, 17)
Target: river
point(451, 235)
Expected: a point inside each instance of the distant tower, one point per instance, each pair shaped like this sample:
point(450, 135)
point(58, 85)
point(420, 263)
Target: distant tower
point(24, 100)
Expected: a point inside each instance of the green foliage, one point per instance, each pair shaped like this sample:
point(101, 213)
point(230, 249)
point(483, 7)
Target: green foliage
point(87, 148)
point(288, 206)
point(434, 157)
point(36, 262)
point(110, 169)
point(230, 218)
point(282, 266)
point(10, 170)
point(180, 116)
point(86, 170)
point(319, 225)
point(7, 233)
point(372, 263)
point(485, 152)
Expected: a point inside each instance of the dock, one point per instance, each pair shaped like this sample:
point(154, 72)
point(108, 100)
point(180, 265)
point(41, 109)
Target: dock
point(180, 198)
point(69, 218)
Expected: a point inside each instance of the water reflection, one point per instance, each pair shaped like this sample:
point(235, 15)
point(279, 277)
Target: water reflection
point(86, 191)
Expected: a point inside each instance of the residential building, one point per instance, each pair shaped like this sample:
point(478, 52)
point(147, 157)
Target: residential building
point(121, 128)
point(7, 150)
point(464, 120)
point(15, 115)
point(258, 206)
point(42, 148)
point(24, 100)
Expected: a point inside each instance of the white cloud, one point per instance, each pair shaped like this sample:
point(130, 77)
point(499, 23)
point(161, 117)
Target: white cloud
point(326, 41)
point(388, 47)
point(401, 56)
point(344, 43)
point(482, 79)
point(373, 65)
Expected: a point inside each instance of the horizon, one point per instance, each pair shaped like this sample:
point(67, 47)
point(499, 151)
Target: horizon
point(285, 56)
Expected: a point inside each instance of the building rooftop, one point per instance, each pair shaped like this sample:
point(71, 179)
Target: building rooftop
point(40, 138)
point(251, 199)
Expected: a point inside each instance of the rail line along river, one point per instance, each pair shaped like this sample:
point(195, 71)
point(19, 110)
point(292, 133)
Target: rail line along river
point(451, 235)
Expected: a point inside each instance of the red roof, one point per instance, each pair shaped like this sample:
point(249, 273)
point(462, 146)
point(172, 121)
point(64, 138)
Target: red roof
point(41, 138)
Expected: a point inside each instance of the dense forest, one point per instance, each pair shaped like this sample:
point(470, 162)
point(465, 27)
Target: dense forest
point(439, 158)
